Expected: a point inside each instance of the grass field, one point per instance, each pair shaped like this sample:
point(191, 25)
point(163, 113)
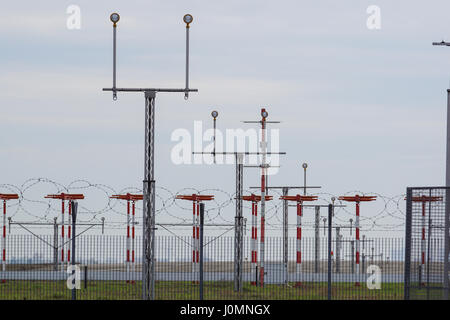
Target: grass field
point(172, 290)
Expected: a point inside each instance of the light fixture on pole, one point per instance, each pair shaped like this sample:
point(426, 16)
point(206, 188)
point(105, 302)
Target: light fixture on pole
point(214, 114)
point(188, 20)
point(304, 165)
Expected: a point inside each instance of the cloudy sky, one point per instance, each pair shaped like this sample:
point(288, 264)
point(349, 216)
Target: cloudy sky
point(364, 108)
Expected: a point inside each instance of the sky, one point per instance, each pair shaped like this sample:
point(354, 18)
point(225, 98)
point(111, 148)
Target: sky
point(365, 108)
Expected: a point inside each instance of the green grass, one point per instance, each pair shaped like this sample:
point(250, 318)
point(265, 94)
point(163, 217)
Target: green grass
point(172, 290)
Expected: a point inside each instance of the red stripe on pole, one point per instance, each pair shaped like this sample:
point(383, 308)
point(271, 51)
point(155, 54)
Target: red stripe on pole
point(128, 231)
point(193, 256)
point(198, 254)
point(132, 229)
point(4, 255)
point(299, 257)
point(128, 255)
point(132, 256)
point(62, 230)
point(68, 255)
point(62, 255)
point(193, 232)
point(357, 233)
point(357, 257)
point(423, 233)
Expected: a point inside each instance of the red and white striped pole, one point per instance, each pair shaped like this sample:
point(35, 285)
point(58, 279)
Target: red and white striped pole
point(128, 240)
point(299, 245)
point(357, 240)
point(62, 235)
point(4, 238)
point(254, 241)
point(63, 197)
point(422, 244)
point(130, 256)
point(69, 232)
point(357, 199)
point(194, 242)
point(263, 196)
point(132, 237)
point(197, 253)
point(196, 199)
point(299, 200)
point(5, 197)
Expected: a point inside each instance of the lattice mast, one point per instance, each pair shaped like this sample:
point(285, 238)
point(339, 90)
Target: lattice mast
point(148, 228)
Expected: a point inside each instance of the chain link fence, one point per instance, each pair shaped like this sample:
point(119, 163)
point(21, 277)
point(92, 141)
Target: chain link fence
point(34, 269)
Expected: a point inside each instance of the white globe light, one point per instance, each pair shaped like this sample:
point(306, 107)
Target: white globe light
point(188, 19)
point(305, 165)
point(214, 114)
point(114, 17)
point(264, 114)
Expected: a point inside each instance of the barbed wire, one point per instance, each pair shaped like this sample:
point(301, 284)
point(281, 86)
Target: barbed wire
point(385, 214)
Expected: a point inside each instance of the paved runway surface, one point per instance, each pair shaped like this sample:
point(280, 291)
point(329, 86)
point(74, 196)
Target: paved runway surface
point(274, 278)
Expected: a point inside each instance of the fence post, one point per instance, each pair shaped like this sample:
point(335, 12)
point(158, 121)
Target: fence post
point(55, 244)
point(256, 276)
point(202, 212)
point(407, 271)
point(74, 205)
point(85, 276)
point(338, 249)
point(317, 240)
point(330, 215)
point(352, 244)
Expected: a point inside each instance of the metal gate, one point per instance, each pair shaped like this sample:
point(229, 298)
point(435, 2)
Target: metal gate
point(427, 243)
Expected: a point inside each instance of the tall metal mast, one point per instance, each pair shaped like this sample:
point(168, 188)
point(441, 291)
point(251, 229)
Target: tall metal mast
point(148, 253)
point(447, 193)
point(263, 166)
